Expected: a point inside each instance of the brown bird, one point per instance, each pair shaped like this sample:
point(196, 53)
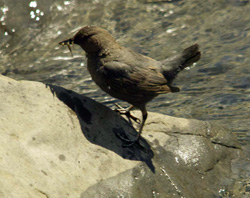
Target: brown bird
point(127, 75)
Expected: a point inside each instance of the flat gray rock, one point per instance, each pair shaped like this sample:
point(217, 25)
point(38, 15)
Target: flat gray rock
point(57, 143)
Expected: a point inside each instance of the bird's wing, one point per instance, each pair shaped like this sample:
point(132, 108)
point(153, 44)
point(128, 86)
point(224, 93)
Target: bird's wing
point(143, 80)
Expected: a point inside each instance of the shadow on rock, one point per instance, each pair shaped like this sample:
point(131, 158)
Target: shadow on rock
point(102, 126)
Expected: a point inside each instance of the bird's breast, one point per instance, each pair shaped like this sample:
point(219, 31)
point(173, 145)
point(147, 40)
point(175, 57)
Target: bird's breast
point(97, 74)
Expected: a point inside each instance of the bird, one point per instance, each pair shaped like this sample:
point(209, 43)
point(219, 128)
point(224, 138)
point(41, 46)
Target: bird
point(127, 75)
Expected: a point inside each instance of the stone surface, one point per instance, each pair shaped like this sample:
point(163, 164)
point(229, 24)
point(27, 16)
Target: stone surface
point(57, 143)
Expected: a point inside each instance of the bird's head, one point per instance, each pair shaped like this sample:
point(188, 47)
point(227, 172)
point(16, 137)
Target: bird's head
point(92, 39)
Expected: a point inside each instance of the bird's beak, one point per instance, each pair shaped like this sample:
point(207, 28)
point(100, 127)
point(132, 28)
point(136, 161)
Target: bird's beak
point(68, 42)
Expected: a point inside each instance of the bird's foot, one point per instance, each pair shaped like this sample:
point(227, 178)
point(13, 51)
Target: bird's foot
point(127, 113)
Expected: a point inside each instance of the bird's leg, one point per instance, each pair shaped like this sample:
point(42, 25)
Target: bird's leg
point(131, 142)
point(126, 112)
point(144, 118)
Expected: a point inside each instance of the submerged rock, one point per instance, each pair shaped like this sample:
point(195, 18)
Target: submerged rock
point(57, 143)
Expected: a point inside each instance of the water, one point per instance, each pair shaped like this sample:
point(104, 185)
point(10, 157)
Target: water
point(217, 88)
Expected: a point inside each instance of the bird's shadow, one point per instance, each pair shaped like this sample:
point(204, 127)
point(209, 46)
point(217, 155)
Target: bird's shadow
point(102, 126)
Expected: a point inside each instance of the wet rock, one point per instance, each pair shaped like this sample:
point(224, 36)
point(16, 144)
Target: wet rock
point(57, 143)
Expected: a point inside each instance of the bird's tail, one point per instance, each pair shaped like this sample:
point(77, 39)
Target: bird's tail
point(171, 67)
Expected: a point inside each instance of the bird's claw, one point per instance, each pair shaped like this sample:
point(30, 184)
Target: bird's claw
point(127, 113)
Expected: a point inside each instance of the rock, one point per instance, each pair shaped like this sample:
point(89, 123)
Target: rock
point(57, 143)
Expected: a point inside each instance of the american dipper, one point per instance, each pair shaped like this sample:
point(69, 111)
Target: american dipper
point(127, 75)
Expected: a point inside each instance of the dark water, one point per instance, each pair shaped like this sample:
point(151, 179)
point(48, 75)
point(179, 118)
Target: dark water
point(217, 88)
